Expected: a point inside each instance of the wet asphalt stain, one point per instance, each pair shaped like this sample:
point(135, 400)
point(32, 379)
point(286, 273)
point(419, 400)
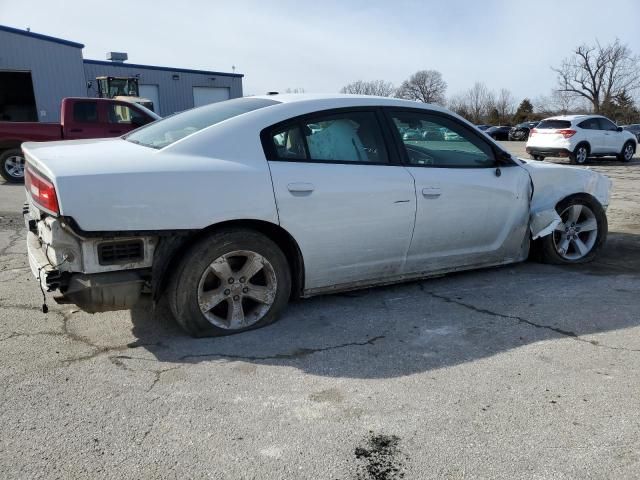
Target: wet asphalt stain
point(380, 459)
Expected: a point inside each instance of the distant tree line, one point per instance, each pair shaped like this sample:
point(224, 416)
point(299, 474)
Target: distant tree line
point(593, 79)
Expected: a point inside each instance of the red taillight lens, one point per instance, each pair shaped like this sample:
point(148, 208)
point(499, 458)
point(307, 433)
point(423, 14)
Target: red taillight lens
point(41, 190)
point(567, 133)
point(532, 132)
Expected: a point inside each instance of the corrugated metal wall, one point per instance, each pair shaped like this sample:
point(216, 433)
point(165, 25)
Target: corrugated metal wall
point(175, 95)
point(57, 70)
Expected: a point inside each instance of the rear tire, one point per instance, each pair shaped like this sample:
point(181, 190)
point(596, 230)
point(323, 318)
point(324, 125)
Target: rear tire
point(627, 152)
point(12, 165)
point(580, 155)
point(537, 157)
point(581, 234)
point(230, 282)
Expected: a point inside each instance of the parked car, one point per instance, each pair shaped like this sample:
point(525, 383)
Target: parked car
point(580, 137)
point(230, 209)
point(634, 128)
point(81, 118)
point(483, 127)
point(521, 131)
point(498, 133)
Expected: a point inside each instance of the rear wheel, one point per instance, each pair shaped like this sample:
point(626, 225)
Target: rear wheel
point(230, 282)
point(627, 152)
point(12, 165)
point(580, 155)
point(537, 157)
point(581, 233)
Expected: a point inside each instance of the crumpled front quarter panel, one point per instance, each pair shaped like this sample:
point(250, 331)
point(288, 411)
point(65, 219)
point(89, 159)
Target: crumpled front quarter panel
point(552, 183)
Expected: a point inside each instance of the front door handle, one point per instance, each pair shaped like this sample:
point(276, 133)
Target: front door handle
point(300, 187)
point(431, 192)
point(76, 130)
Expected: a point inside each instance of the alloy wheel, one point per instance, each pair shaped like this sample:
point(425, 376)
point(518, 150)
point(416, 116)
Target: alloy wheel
point(14, 166)
point(581, 155)
point(576, 235)
point(237, 290)
point(628, 152)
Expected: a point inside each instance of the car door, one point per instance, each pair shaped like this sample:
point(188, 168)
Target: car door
point(86, 121)
point(342, 195)
point(613, 139)
point(594, 135)
point(469, 211)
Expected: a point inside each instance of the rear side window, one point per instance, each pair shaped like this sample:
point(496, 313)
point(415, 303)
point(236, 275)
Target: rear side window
point(555, 124)
point(345, 137)
point(85, 112)
point(171, 129)
point(590, 124)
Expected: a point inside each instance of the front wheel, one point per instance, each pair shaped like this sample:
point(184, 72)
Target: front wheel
point(230, 282)
point(627, 152)
point(581, 233)
point(12, 165)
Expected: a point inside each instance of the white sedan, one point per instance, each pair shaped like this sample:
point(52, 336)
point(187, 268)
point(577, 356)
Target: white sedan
point(233, 208)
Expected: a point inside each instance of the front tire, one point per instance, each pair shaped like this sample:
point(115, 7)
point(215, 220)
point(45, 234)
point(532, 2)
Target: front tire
point(230, 282)
point(12, 165)
point(580, 155)
point(627, 152)
point(581, 234)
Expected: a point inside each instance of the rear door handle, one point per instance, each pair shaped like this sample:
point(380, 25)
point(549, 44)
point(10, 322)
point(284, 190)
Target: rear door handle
point(76, 130)
point(431, 192)
point(300, 187)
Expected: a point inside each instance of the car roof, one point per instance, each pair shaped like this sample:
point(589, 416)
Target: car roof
point(348, 100)
point(574, 117)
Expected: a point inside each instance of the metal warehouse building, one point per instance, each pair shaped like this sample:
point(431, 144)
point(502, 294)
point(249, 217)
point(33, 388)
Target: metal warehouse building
point(38, 71)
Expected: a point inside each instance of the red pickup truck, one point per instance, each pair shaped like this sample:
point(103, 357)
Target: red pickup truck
point(81, 118)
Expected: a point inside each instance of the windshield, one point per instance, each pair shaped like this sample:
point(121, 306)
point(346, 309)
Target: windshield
point(165, 132)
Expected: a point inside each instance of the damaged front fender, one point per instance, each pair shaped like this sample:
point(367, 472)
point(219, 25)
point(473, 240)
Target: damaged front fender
point(544, 223)
point(552, 183)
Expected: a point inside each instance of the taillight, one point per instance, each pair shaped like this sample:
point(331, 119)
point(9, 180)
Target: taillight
point(41, 190)
point(567, 133)
point(532, 131)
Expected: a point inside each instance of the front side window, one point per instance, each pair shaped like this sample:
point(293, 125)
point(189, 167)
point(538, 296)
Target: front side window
point(353, 137)
point(606, 124)
point(437, 141)
point(85, 112)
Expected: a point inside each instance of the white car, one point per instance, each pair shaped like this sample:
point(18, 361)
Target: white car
point(580, 137)
point(232, 208)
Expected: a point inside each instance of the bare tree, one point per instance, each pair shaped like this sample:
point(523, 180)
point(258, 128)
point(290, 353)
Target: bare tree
point(379, 88)
point(480, 100)
point(426, 86)
point(599, 73)
point(505, 105)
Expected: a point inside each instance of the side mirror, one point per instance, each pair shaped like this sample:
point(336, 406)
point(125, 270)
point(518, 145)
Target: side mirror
point(619, 129)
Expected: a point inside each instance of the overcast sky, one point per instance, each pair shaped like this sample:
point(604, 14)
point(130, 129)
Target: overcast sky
point(322, 45)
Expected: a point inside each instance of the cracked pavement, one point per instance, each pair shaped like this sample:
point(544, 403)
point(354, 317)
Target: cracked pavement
point(526, 371)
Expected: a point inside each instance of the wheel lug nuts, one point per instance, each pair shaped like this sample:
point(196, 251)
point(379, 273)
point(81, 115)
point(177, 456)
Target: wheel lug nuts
point(242, 279)
point(227, 292)
point(231, 280)
point(245, 290)
point(236, 297)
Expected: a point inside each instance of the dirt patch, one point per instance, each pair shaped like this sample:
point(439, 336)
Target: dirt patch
point(381, 458)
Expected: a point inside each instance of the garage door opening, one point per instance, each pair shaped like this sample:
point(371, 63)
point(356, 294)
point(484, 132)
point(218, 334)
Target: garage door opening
point(207, 95)
point(17, 101)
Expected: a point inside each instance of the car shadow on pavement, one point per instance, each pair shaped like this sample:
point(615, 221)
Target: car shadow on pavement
point(419, 326)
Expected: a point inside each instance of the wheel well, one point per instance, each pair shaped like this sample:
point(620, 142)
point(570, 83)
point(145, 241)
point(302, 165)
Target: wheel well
point(9, 145)
point(586, 144)
point(171, 249)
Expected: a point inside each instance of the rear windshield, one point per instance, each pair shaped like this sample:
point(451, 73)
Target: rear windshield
point(554, 124)
point(171, 129)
